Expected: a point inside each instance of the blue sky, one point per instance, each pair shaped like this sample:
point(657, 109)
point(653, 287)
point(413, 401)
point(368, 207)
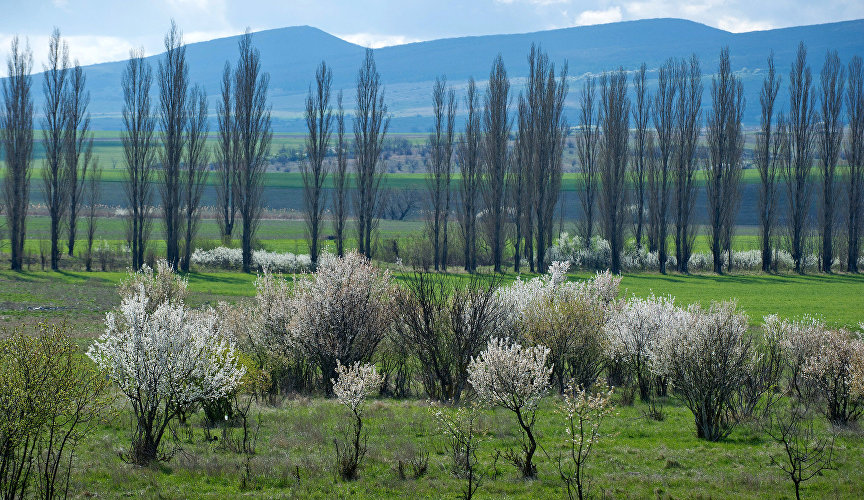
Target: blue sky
point(105, 30)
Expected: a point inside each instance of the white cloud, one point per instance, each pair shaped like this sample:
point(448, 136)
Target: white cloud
point(589, 17)
point(375, 40)
point(739, 25)
point(86, 49)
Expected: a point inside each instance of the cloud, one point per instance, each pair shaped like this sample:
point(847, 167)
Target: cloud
point(87, 49)
point(739, 25)
point(376, 40)
point(589, 17)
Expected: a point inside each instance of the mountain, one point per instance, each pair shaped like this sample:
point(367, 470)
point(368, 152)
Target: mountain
point(291, 54)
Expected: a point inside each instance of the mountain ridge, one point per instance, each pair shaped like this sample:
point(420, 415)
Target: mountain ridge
point(290, 55)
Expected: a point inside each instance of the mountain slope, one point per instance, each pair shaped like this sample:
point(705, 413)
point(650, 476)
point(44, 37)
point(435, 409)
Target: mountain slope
point(290, 55)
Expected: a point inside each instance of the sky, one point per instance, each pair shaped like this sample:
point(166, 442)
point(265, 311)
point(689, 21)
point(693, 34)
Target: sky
point(105, 30)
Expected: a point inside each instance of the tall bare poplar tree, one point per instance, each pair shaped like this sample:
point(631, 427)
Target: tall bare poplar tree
point(254, 133)
point(855, 159)
point(195, 169)
point(765, 156)
point(173, 77)
point(55, 187)
point(92, 194)
point(226, 158)
point(78, 148)
point(370, 127)
point(688, 128)
point(662, 173)
point(469, 157)
point(340, 179)
point(440, 168)
point(319, 120)
point(799, 162)
point(16, 130)
point(496, 135)
point(522, 182)
point(615, 129)
point(725, 147)
point(137, 138)
point(830, 135)
point(547, 131)
point(641, 114)
point(586, 147)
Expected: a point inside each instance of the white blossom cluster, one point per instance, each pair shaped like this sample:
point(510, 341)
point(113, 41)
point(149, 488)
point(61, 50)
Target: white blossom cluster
point(508, 375)
point(170, 357)
point(637, 330)
point(583, 412)
point(354, 383)
point(342, 310)
point(703, 343)
point(232, 258)
point(524, 297)
point(598, 255)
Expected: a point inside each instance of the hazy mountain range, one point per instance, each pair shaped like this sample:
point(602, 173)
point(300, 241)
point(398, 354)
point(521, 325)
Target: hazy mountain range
point(291, 54)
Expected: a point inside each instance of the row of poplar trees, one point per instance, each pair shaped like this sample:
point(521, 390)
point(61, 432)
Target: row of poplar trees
point(641, 155)
point(68, 145)
point(176, 160)
point(172, 157)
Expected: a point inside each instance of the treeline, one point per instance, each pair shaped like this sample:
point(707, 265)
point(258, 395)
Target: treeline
point(640, 151)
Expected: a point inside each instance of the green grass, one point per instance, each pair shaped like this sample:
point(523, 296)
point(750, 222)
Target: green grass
point(82, 298)
point(635, 458)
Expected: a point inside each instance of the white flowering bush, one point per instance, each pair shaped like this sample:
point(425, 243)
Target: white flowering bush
point(341, 312)
point(164, 359)
point(636, 331)
point(352, 385)
point(707, 360)
point(583, 412)
point(566, 317)
point(232, 259)
point(159, 286)
point(835, 370)
point(799, 341)
point(516, 378)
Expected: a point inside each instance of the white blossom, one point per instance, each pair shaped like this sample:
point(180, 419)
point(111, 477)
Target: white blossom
point(355, 383)
point(509, 375)
point(169, 358)
point(232, 258)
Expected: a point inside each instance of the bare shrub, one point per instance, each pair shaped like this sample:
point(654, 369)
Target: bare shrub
point(444, 325)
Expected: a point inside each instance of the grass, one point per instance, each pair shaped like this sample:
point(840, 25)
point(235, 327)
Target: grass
point(82, 298)
point(635, 458)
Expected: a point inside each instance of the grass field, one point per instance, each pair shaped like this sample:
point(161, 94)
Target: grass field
point(635, 458)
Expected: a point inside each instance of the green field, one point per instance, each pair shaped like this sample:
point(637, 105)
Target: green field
point(635, 458)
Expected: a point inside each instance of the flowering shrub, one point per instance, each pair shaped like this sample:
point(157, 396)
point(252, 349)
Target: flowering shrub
point(835, 369)
point(163, 285)
point(566, 317)
point(583, 412)
point(515, 378)
point(164, 359)
point(232, 258)
point(707, 359)
point(597, 255)
point(636, 331)
point(799, 341)
point(340, 312)
point(352, 386)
